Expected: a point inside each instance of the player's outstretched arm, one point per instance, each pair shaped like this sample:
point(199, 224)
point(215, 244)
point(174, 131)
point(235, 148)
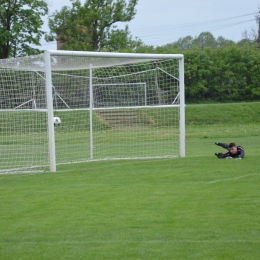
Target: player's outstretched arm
point(223, 155)
point(225, 146)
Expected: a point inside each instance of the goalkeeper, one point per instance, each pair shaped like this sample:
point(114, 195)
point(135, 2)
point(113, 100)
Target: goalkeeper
point(233, 151)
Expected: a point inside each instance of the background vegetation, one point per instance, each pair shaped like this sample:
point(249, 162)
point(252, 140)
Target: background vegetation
point(216, 69)
point(20, 26)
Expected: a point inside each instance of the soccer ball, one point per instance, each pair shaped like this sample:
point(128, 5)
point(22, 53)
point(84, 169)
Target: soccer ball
point(56, 121)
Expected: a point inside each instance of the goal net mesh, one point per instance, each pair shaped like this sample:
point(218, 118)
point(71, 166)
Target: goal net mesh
point(135, 112)
point(23, 129)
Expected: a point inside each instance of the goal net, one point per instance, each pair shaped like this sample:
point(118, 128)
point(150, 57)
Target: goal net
point(111, 106)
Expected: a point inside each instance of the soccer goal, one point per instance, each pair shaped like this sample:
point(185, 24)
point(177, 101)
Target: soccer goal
point(111, 106)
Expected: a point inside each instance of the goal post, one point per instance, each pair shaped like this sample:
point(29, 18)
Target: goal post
point(111, 106)
point(143, 58)
point(182, 108)
point(49, 97)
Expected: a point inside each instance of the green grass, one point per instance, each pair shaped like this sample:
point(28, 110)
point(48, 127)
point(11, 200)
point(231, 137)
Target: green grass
point(198, 207)
point(223, 114)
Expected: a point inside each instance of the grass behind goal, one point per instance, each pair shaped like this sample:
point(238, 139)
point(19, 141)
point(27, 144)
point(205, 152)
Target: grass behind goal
point(198, 207)
point(119, 133)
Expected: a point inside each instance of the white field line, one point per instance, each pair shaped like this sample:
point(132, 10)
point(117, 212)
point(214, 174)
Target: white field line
point(232, 179)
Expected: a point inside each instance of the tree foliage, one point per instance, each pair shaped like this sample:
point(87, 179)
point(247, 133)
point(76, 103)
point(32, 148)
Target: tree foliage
point(222, 75)
point(221, 71)
point(92, 25)
point(20, 23)
point(217, 70)
point(205, 39)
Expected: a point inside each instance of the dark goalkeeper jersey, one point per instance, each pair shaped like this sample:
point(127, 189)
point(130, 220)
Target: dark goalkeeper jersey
point(240, 153)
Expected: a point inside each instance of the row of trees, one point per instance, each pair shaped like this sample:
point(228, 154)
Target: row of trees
point(205, 39)
point(91, 26)
point(224, 74)
point(216, 69)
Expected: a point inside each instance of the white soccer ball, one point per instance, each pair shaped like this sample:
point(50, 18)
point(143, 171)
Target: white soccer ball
point(56, 121)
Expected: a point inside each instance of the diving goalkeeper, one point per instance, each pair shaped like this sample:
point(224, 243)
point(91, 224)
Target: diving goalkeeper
point(233, 151)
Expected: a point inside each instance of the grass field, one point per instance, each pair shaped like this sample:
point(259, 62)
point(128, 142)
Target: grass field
point(198, 207)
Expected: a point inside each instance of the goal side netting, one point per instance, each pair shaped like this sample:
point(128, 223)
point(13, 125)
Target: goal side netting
point(111, 106)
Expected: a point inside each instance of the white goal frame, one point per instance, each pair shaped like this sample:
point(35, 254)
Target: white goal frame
point(48, 73)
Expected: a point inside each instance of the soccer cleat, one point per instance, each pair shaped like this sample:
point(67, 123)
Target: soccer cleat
point(216, 154)
point(216, 143)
